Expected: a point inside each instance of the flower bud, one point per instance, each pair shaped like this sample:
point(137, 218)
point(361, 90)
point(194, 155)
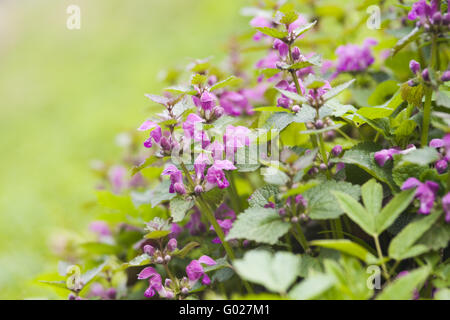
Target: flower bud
point(165, 143)
point(441, 166)
point(319, 124)
point(159, 260)
point(198, 189)
point(337, 149)
point(446, 19)
point(172, 244)
point(170, 294)
point(323, 166)
point(167, 282)
point(167, 258)
point(282, 212)
point(184, 290)
point(296, 53)
point(148, 249)
point(425, 75)
point(412, 83)
point(218, 111)
point(310, 125)
point(294, 219)
point(296, 108)
point(446, 76)
point(437, 18)
point(179, 188)
point(111, 293)
point(283, 102)
point(414, 66)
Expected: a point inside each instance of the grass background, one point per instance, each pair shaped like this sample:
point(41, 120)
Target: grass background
point(65, 95)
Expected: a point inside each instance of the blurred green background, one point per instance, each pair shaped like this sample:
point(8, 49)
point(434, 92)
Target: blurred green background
point(66, 94)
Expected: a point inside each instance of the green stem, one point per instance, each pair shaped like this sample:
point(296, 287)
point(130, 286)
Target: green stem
point(426, 117)
point(338, 227)
point(235, 200)
point(323, 152)
point(380, 256)
point(300, 237)
point(204, 207)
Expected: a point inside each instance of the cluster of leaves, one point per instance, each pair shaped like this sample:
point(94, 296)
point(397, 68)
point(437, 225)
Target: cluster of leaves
point(330, 218)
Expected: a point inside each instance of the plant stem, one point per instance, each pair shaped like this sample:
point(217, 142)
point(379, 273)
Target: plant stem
point(428, 94)
point(300, 237)
point(380, 256)
point(323, 152)
point(338, 226)
point(204, 207)
point(426, 117)
point(233, 193)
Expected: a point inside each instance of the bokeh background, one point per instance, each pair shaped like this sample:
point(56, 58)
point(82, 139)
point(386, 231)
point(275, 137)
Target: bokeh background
point(66, 94)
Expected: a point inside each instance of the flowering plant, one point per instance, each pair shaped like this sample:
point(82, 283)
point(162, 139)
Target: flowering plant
point(312, 164)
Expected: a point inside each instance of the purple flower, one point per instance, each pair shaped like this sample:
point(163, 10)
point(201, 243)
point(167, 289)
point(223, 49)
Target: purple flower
point(101, 228)
point(155, 133)
point(176, 179)
point(353, 58)
point(225, 225)
point(172, 244)
point(200, 165)
point(215, 174)
point(283, 48)
point(441, 166)
point(299, 199)
point(236, 137)
point(284, 101)
point(216, 149)
point(423, 11)
point(382, 156)
point(195, 225)
point(414, 66)
point(190, 123)
point(445, 76)
point(234, 103)
point(297, 24)
point(446, 206)
point(336, 151)
point(155, 281)
point(117, 175)
point(296, 53)
point(425, 192)
point(195, 271)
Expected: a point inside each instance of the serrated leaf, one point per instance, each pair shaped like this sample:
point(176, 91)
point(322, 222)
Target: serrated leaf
point(147, 162)
point(422, 157)
point(198, 79)
point(404, 241)
point(393, 209)
point(356, 212)
point(276, 271)
point(336, 90)
point(322, 204)
point(262, 196)
point(161, 193)
point(158, 99)
point(348, 247)
point(230, 81)
point(140, 260)
point(410, 37)
point(293, 96)
point(262, 225)
point(375, 112)
point(362, 155)
point(289, 17)
point(179, 206)
point(157, 234)
point(412, 95)
point(185, 250)
point(403, 288)
point(272, 32)
point(213, 197)
point(301, 30)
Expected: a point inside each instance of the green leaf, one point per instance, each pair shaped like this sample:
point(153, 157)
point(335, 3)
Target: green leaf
point(403, 288)
point(179, 206)
point(322, 204)
point(356, 212)
point(348, 247)
point(301, 30)
point(312, 287)
point(230, 81)
point(393, 209)
point(289, 17)
point(263, 195)
point(404, 171)
point(161, 193)
point(383, 92)
point(181, 90)
point(400, 247)
point(262, 225)
point(140, 260)
point(372, 196)
point(423, 156)
point(89, 275)
point(293, 96)
point(214, 198)
point(147, 162)
point(436, 237)
point(272, 32)
point(157, 234)
point(362, 155)
point(276, 271)
point(185, 250)
point(410, 37)
point(337, 90)
point(412, 95)
point(198, 79)
point(271, 109)
point(374, 112)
